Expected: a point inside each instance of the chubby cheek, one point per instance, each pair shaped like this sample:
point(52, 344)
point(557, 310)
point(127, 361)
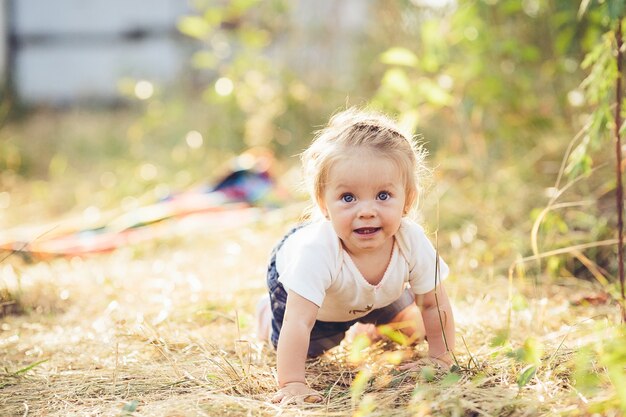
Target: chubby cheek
point(342, 228)
point(341, 219)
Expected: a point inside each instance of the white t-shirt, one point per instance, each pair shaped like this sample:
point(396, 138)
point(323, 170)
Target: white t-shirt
point(313, 263)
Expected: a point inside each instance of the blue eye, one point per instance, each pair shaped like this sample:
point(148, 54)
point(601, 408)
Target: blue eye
point(383, 195)
point(347, 198)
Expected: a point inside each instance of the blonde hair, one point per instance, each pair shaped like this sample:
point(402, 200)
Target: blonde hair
point(369, 130)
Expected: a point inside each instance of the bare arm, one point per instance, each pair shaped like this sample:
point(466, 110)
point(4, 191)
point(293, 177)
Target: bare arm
point(435, 312)
point(293, 345)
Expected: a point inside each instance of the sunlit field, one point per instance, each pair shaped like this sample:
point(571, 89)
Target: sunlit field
point(135, 230)
point(165, 326)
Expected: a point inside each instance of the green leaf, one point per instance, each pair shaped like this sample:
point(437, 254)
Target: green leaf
point(613, 356)
point(130, 406)
point(254, 38)
point(616, 9)
point(194, 26)
point(428, 373)
point(532, 351)
point(585, 377)
point(512, 7)
point(526, 375)
point(213, 16)
point(395, 335)
point(579, 161)
point(29, 367)
point(500, 339)
point(204, 59)
point(519, 302)
point(517, 354)
point(240, 6)
point(360, 383)
point(399, 56)
point(433, 93)
point(451, 379)
point(397, 81)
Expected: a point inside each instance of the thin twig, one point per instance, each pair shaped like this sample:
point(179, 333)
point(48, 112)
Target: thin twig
point(117, 357)
point(597, 271)
point(619, 195)
point(472, 358)
point(561, 251)
point(551, 206)
point(443, 330)
point(25, 244)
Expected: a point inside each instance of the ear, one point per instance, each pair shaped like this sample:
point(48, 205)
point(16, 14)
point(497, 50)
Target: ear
point(409, 203)
point(322, 207)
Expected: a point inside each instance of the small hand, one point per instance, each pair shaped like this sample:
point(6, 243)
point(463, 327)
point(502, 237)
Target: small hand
point(298, 392)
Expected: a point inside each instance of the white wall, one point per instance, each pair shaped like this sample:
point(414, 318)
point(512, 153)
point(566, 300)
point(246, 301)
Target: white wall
point(71, 50)
point(326, 39)
point(65, 73)
point(82, 17)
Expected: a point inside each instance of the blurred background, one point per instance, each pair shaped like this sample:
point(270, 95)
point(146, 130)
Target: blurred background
point(111, 105)
point(163, 135)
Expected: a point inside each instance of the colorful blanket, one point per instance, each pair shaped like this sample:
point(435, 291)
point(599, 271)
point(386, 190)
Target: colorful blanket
point(238, 198)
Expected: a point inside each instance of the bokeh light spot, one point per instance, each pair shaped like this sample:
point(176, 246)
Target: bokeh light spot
point(224, 86)
point(148, 172)
point(144, 90)
point(445, 81)
point(576, 98)
point(194, 139)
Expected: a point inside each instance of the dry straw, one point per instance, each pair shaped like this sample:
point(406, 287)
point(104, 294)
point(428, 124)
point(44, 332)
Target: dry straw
point(139, 336)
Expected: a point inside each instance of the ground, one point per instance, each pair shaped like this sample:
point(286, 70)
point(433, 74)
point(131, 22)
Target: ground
point(166, 328)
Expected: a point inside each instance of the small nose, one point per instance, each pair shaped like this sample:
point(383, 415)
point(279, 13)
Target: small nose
point(366, 210)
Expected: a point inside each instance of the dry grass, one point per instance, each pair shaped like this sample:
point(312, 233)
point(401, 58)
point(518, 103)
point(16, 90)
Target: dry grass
point(166, 329)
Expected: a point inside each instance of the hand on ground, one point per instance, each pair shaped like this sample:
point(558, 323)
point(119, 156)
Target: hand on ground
point(445, 362)
point(367, 329)
point(298, 392)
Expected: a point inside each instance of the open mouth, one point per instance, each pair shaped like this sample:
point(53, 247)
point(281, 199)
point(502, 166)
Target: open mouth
point(366, 230)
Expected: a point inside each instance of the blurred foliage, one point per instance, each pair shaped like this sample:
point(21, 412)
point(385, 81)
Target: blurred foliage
point(235, 72)
point(599, 365)
point(495, 87)
point(497, 73)
point(513, 98)
point(251, 70)
point(599, 85)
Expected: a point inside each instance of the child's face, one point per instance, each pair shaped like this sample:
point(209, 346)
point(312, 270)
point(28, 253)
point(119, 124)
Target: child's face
point(364, 199)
